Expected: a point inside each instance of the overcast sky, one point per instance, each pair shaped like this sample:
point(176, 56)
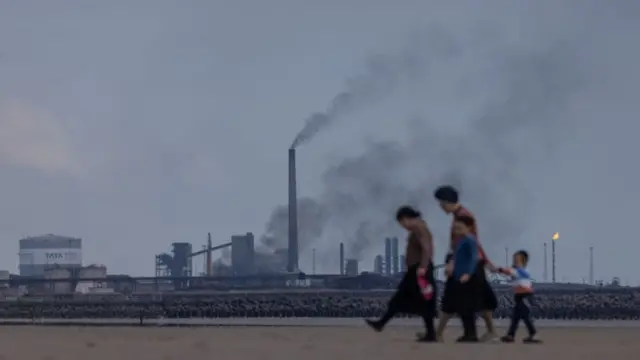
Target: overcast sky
point(133, 124)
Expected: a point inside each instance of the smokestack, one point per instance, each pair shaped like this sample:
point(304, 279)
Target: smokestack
point(395, 260)
point(209, 259)
point(341, 258)
point(591, 280)
point(292, 263)
point(387, 256)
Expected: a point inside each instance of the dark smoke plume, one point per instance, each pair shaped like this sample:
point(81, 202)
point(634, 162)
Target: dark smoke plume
point(311, 222)
point(383, 73)
point(524, 91)
point(484, 162)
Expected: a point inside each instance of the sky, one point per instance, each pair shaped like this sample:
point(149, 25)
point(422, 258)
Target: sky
point(135, 124)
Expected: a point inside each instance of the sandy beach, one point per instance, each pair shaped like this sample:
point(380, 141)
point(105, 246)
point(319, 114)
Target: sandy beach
point(306, 342)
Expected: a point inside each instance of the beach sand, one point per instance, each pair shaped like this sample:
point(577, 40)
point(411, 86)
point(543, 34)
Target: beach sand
point(291, 343)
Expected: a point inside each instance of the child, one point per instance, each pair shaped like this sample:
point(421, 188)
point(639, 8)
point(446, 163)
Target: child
point(523, 296)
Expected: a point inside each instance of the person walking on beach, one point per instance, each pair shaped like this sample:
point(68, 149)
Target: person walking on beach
point(416, 293)
point(448, 199)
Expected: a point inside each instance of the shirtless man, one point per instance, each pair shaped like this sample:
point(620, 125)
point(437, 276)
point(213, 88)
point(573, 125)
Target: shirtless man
point(416, 293)
point(448, 198)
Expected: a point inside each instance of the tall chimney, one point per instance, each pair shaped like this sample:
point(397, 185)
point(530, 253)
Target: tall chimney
point(387, 256)
point(395, 260)
point(341, 258)
point(209, 265)
point(292, 263)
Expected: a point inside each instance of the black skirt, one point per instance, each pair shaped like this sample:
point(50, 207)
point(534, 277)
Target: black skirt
point(468, 296)
point(463, 298)
point(409, 299)
point(489, 301)
point(448, 305)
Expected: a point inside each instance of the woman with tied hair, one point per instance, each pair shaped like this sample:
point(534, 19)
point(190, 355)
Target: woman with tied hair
point(448, 198)
point(416, 293)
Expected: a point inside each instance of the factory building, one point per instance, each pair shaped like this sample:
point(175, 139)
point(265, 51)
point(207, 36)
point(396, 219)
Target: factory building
point(77, 280)
point(182, 261)
point(178, 263)
point(377, 264)
point(351, 268)
point(387, 256)
point(163, 265)
point(242, 254)
point(59, 273)
point(41, 253)
point(92, 272)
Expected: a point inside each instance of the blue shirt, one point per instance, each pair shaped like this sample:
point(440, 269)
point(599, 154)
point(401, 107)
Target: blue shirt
point(465, 257)
point(521, 280)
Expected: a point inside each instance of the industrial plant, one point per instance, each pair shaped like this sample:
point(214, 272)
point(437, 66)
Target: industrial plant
point(54, 264)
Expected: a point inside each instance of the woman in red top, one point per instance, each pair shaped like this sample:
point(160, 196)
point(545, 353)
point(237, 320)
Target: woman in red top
point(447, 196)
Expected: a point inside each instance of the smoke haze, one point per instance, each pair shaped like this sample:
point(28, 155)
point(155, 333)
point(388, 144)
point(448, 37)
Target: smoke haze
point(380, 77)
point(311, 221)
point(518, 102)
point(137, 124)
point(521, 93)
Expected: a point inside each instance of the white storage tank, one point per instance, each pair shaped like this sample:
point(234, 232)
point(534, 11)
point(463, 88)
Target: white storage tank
point(40, 253)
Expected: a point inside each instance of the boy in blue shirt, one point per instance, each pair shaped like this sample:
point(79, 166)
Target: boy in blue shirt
point(522, 286)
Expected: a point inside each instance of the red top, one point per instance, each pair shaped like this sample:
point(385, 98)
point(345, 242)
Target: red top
point(462, 211)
